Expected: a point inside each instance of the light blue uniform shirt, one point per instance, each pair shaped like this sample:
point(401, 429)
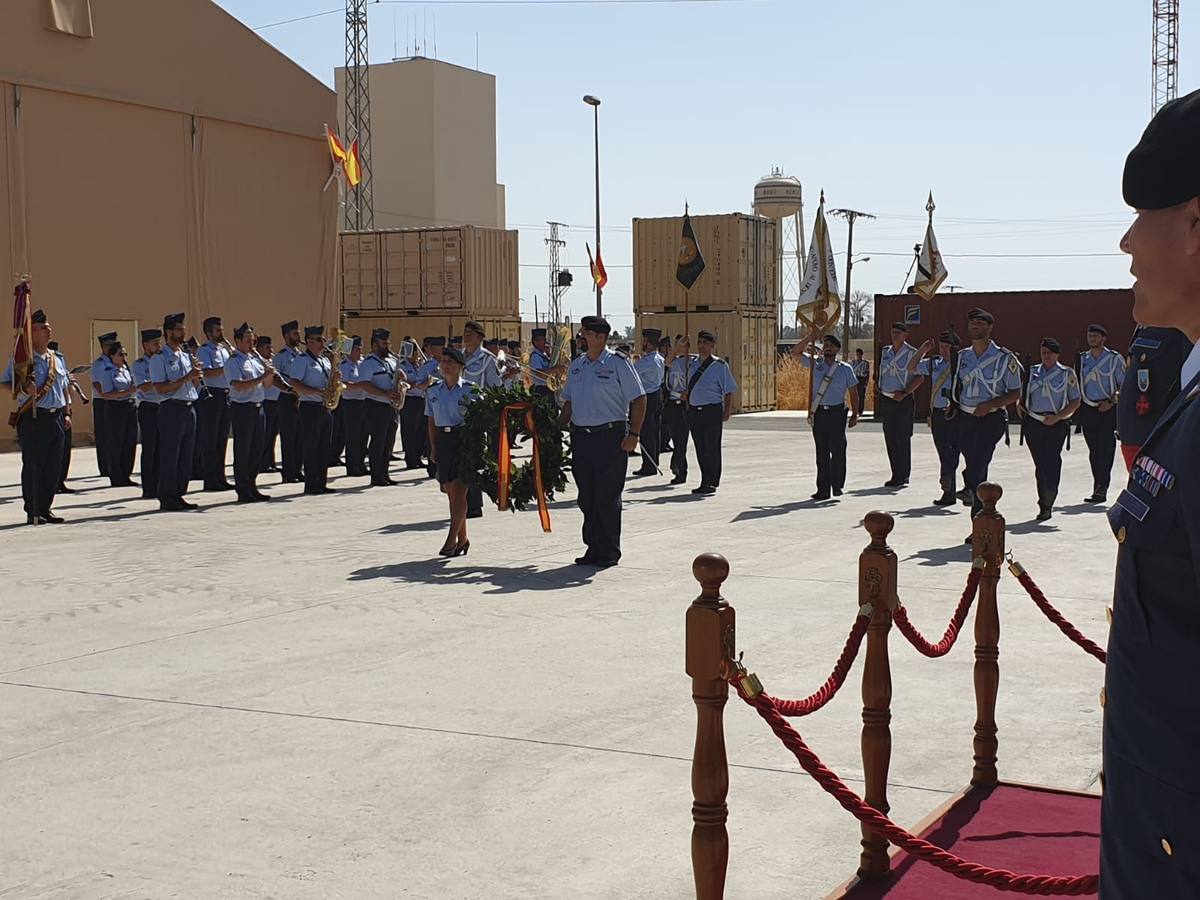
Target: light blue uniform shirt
point(428, 370)
point(1051, 390)
point(141, 374)
point(282, 361)
point(56, 396)
point(244, 367)
point(934, 368)
point(651, 368)
point(351, 377)
point(681, 371)
point(893, 375)
point(214, 356)
point(600, 392)
point(116, 378)
point(379, 372)
point(538, 359)
point(99, 367)
point(444, 404)
point(712, 387)
point(986, 377)
point(312, 371)
point(410, 375)
point(482, 369)
point(862, 368)
point(842, 380)
point(171, 365)
point(1102, 377)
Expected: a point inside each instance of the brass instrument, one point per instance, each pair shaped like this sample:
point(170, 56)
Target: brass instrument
point(400, 386)
point(341, 344)
point(559, 345)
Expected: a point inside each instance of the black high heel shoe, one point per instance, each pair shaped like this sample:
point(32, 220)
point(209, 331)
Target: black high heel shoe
point(461, 549)
point(448, 550)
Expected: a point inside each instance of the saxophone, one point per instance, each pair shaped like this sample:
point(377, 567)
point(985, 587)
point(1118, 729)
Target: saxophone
point(334, 388)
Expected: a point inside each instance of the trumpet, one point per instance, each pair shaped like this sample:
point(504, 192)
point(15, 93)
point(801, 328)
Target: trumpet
point(410, 348)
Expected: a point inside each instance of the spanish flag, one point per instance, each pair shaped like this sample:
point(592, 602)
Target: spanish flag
point(353, 166)
point(337, 152)
point(599, 275)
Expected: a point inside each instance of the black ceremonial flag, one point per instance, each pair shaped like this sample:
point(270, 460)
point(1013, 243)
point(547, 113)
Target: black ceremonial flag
point(691, 262)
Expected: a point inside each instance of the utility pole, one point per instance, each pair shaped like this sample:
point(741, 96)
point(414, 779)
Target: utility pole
point(850, 215)
point(1164, 71)
point(558, 285)
point(360, 204)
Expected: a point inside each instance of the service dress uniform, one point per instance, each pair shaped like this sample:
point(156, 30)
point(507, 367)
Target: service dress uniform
point(981, 377)
point(427, 372)
point(896, 408)
point(650, 369)
point(1101, 377)
point(121, 426)
point(675, 413)
point(540, 360)
point(445, 406)
point(379, 415)
point(711, 382)
point(288, 409)
point(1156, 358)
point(600, 392)
point(1049, 392)
point(41, 436)
point(147, 417)
point(212, 415)
point(176, 426)
point(862, 371)
point(352, 412)
point(830, 382)
point(316, 422)
point(943, 423)
point(100, 406)
point(249, 422)
point(412, 418)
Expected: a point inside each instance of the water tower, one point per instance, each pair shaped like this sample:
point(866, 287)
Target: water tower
point(780, 197)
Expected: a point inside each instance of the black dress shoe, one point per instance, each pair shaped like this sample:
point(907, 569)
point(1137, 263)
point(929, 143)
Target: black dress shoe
point(327, 490)
point(1043, 514)
point(51, 518)
point(184, 504)
point(679, 479)
point(605, 563)
point(262, 498)
point(704, 489)
point(945, 500)
point(63, 489)
point(476, 514)
point(169, 506)
point(964, 494)
point(585, 560)
point(1096, 498)
point(270, 468)
point(892, 482)
point(837, 492)
point(247, 498)
point(819, 495)
point(33, 520)
point(638, 473)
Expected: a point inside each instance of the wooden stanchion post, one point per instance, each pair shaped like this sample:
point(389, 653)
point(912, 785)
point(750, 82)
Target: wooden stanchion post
point(877, 586)
point(710, 644)
point(987, 541)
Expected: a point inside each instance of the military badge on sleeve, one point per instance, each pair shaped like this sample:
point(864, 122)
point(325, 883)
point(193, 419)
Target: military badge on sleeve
point(1143, 376)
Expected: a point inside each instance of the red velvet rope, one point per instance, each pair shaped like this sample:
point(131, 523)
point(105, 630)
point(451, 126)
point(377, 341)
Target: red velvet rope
point(1002, 879)
point(942, 647)
point(835, 680)
point(1057, 618)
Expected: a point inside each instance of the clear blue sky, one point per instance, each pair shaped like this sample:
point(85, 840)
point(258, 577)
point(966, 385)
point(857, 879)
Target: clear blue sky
point(1017, 116)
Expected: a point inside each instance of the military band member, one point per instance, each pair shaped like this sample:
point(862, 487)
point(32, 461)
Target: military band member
point(943, 414)
point(604, 404)
point(41, 433)
point(1152, 381)
point(248, 375)
point(147, 410)
point(117, 389)
point(650, 368)
point(894, 385)
point(1101, 372)
point(290, 450)
point(832, 382)
point(456, 342)
point(988, 379)
point(377, 377)
point(483, 371)
point(412, 415)
point(72, 384)
point(353, 438)
point(212, 412)
point(177, 378)
point(539, 362)
point(709, 397)
point(309, 376)
point(444, 402)
point(337, 443)
point(1051, 398)
point(675, 411)
point(862, 371)
point(99, 405)
point(262, 346)
point(1151, 706)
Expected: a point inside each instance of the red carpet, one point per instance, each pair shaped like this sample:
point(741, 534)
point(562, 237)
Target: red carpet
point(1029, 831)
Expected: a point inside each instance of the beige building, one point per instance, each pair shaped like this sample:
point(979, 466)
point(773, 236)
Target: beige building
point(433, 145)
point(159, 157)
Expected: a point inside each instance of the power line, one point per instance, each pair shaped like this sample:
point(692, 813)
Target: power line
point(1002, 255)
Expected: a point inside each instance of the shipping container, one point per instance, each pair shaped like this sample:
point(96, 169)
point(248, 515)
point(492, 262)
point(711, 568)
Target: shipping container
point(1023, 318)
point(745, 339)
point(739, 264)
point(422, 325)
point(360, 271)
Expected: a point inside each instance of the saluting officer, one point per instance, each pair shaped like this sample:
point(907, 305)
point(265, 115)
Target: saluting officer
point(862, 371)
point(1051, 398)
point(1148, 830)
point(290, 450)
point(1101, 372)
point(539, 361)
point(832, 382)
point(1156, 359)
point(247, 374)
point(212, 417)
point(987, 380)
point(894, 385)
point(99, 406)
point(377, 377)
point(943, 414)
point(41, 432)
point(147, 410)
point(262, 346)
point(353, 439)
point(309, 376)
point(651, 368)
point(710, 404)
point(675, 413)
point(604, 404)
point(117, 389)
point(176, 378)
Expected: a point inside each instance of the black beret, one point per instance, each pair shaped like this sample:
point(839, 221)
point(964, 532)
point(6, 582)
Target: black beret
point(356, 341)
point(538, 332)
point(211, 322)
point(983, 314)
point(289, 326)
point(1161, 171)
point(437, 341)
point(454, 354)
point(899, 326)
point(597, 324)
point(106, 338)
point(1098, 329)
point(652, 334)
point(381, 334)
point(150, 334)
point(474, 326)
point(949, 337)
point(263, 339)
point(39, 318)
point(171, 320)
point(240, 331)
point(832, 339)
point(314, 331)
point(706, 335)
point(1052, 345)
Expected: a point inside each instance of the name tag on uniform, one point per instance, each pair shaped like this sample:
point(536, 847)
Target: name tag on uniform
point(1132, 505)
point(604, 372)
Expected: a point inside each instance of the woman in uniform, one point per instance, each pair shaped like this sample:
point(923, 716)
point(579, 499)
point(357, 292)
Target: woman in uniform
point(444, 401)
point(118, 387)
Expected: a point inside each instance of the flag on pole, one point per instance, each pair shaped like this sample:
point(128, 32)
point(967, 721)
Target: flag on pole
point(819, 305)
point(337, 151)
point(352, 165)
point(931, 268)
point(599, 273)
point(691, 260)
point(22, 337)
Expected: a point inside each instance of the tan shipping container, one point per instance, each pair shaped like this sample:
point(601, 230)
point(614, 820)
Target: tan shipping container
point(745, 339)
point(360, 271)
point(739, 264)
point(422, 325)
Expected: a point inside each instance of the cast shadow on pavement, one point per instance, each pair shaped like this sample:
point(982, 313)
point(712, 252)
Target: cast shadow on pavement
point(506, 579)
point(1032, 527)
point(402, 527)
point(921, 512)
point(941, 556)
point(1077, 509)
point(763, 512)
point(881, 490)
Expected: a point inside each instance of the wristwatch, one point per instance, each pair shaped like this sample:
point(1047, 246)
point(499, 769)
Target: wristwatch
point(632, 434)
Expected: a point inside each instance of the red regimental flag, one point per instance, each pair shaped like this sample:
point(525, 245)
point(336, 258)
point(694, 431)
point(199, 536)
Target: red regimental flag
point(22, 337)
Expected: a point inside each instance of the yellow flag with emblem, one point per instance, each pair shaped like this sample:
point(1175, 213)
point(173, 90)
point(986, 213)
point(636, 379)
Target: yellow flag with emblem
point(931, 267)
point(819, 306)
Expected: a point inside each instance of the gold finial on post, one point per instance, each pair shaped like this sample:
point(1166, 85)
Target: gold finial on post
point(987, 543)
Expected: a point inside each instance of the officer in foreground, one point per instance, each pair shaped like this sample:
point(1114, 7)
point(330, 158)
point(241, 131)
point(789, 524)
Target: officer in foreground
point(1149, 832)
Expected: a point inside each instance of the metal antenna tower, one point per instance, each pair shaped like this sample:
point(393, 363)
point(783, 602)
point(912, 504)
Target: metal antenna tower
point(360, 206)
point(1165, 65)
point(557, 286)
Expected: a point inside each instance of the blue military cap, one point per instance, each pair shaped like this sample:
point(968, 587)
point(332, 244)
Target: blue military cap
point(151, 334)
point(981, 314)
point(240, 331)
point(454, 354)
point(39, 318)
point(436, 341)
point(595, 324)
point(832, 338)
point(356, 341)
point(107, 338)
point(474, 326)
point(1052, 345)
point(652, 334)
point(211, 322)
point(171, 320)
point(314, 331)
point(899, 326)
point(1097, 329)
point(706, 335)
point(538, 333)
point(381, 334)
point(289, 326)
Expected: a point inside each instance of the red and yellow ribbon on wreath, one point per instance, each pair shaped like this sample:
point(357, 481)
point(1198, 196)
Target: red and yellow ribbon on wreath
point(504, 461)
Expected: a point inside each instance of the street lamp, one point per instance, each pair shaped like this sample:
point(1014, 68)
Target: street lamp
point(594, 103)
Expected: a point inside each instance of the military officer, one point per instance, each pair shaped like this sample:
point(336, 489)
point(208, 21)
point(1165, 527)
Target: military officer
point(1101, 372)
point(862, 371)
point(832, 382)
point(675, 411)
point(248, 375)
point(117, 389)
point(99, 405)
point(177, 378)
point(987, 379)
point(352, 441)
point(539, 361)
point(943, 415)
point(212, 412)
point(309, 377)
point(40, 432)
point(894, 386)
point(709, 398)
point(1148, 832)
point(262, 346)
point(147, 410)
point(604, 404)
point(288, 407)
point(651, 368)
point(1051, 398)
point(412, 415)
point(1156, 359)
point(377, 378)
